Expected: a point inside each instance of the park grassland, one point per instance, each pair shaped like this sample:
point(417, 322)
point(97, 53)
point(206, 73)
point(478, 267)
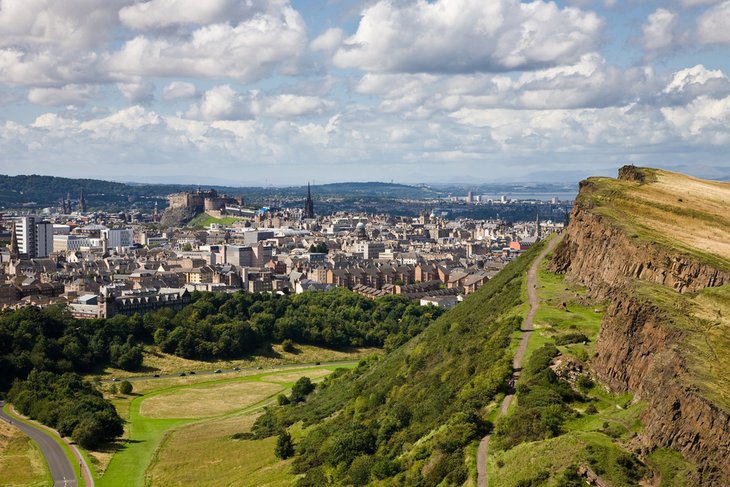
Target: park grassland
point(21, 461)
point(188, 421)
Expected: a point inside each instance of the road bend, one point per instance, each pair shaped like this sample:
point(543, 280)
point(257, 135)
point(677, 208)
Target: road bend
point(58, 463)
point(527, 327)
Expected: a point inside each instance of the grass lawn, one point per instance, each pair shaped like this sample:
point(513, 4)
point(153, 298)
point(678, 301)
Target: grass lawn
point(221, 398)
point(203, 220)
point(21, 461)
point(204, 454)
point(162, 363)
point(207, 400)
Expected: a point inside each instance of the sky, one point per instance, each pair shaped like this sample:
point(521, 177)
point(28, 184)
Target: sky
point(255, 92)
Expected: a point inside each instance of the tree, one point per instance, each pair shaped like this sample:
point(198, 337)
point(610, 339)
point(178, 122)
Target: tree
point(284, 445)
point(301, 388)
point(87, 433)
point(125, 387)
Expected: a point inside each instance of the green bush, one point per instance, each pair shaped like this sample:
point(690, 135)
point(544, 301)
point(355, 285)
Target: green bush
point(125, 387)
point(284, 446)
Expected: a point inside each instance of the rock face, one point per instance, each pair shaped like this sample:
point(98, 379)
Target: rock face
point(598, 253)
point(637, 346)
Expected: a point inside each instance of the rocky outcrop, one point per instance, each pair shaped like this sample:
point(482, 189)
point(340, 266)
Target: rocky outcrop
point(597, 253)
point(636, 351)
point(638, 348)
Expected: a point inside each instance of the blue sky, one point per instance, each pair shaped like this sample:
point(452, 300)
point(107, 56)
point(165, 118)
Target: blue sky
point(281, 92)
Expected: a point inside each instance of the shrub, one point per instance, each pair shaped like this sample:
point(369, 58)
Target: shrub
point(125, 387)
point(284, 446)
point(301, 389)
point(288, 346)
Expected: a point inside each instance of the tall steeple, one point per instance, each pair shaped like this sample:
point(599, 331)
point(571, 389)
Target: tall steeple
point(538, 230)
point(13, 247)
point(309, 204)
point(82, 202)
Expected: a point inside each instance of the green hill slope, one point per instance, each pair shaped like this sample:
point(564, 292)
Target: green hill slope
point(413, 416)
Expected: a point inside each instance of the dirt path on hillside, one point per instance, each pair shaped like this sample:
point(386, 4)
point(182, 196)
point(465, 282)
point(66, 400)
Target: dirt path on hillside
point(534, 302)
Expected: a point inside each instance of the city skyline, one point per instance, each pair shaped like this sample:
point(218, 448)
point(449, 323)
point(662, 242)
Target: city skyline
point(280, 92)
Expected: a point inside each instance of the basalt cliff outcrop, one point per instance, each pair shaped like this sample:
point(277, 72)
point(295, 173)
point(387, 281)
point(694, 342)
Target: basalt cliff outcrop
point(653, 340)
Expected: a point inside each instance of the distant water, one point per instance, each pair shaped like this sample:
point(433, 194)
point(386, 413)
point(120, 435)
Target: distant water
point(562, 196)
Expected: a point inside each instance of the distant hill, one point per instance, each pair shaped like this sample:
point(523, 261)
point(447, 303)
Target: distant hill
point(48, 190)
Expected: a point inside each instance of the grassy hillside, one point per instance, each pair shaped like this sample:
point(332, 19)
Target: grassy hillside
point(413, 415)
point(670, 209)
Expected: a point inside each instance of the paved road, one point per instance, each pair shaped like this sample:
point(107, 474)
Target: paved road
point(534, 301)
point(60, 467)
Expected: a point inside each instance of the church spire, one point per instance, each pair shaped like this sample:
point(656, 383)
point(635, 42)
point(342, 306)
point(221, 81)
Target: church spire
point(309, 204)
point(538, 230)
point(82, 202)
point(13, 247)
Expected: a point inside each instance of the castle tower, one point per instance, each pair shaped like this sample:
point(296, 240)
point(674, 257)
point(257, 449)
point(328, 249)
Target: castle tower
point(308, 204)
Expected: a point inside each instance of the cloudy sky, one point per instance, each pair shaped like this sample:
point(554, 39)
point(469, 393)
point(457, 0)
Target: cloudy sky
point(279, 91)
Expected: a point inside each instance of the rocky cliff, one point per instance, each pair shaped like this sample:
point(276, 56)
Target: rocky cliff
point(653, 340)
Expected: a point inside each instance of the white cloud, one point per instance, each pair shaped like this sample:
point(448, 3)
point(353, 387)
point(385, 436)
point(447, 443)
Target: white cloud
point(157, 14)
point(221, 103)
point(137, 90)
point(712, 26)
point(179, 90)
point(289, 105)
point(71, 24)
point(462, 36)
point(66, 95)
point(328, 40)
point(246, 52)
point(658, 32)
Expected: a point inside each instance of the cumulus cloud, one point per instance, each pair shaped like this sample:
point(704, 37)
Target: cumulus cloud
point(179, 90)
point(328, 40)
point(691, 83)
point(463, 36)
point(156, 14)
point(66, 95)
point(712, 26)
point(137, 90)
point(221, 103)
point(247, 52)
point(659, 32)
point(225, 103)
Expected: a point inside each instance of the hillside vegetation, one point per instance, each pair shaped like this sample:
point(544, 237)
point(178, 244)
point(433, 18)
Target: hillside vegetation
point(412, 415)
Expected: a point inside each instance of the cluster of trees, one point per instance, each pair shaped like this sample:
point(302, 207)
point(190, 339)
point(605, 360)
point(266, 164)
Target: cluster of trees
point(230, 325)
point(409, 416)
point(50, 339)
point(68, 403)
point(543, 403)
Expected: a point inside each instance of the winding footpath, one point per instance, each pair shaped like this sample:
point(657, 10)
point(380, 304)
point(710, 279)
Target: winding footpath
point(527, 327)
point(59, 465)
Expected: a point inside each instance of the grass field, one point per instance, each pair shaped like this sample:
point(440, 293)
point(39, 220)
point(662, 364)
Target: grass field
point(162, 363)
point(21, 462)
point(207, 400)
point(204, 454)
point(203, 220)
point(161, 409)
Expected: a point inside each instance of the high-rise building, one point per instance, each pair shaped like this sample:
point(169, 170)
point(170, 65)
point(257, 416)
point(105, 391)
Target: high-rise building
point(34, 238)
point(470, 197)
point(308, 204)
